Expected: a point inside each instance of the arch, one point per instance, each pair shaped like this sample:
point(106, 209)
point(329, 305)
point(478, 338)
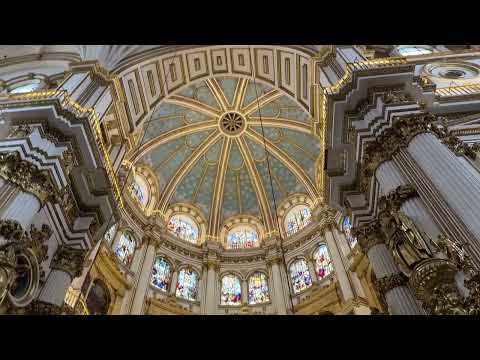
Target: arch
point(110, 234)
point(231, 290)
point(162, 270)
point(242, 236)
point(98, 298)
point(322, 261)
point(258, 288)
point(299, 274)
point(242, 220)
point(125, 248)
point(187, 284)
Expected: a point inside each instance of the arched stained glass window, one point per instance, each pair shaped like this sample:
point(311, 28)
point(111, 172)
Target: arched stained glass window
point(242, 237)
point(297, 218)
point(412, 50)
point(300, 276)
point(323, 262)
point(347, 229)
point(231, 290)
point(125, 248)
point(139, 190)
point(24, 87)
point(187, 285)
point(258, 289)
point(184, 228)
point(110, 234)
point(161, 274)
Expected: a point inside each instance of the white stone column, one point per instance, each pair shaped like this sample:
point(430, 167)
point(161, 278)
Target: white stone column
point(278, 293)
point(173, 283)
point(339, 267)
point(211, 298)
point(244, 291)
point(400, 299)
point(143, 279)
point(454, 178)
point(22, 209)
point(67, 264)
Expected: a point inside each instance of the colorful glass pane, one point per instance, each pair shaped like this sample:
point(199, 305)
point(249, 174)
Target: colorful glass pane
point(125, 248)
point(110, 234)
point(31, 86)
point(242, 237)
point(187, 285)
point(231, 290)
point(138, 188)
point(184, 228)
point(300, 276)
point(299, 217)
point(258, 289)
point(413, 50)
point(347, 229)
point(323, 262)
point(161, 274)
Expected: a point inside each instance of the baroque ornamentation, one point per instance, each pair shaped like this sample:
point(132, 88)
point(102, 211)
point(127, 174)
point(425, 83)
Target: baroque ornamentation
point(389, 282)
point(368, 235)
point(69, 260)
point(26, 175)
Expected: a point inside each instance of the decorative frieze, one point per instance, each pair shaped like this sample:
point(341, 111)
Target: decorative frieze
point(69, 260)
point(27, 176)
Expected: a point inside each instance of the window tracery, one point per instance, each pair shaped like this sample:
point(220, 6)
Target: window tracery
point(110, 234)
point(184, 228)
point(139, 190)
point(297, 218)
point(323, 261)
point(187, 284)
point(258, 289)
point(300, 276)
point(242, 237)
point(161, 274)
point(126, 248)
point(231, 290)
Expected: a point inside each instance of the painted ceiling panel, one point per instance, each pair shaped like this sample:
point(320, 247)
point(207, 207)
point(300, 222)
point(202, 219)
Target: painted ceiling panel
point(255, 90)
point(228, 85)
point(200, 92)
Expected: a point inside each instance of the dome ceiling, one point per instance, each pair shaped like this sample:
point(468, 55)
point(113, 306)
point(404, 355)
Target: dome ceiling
point(206, 147)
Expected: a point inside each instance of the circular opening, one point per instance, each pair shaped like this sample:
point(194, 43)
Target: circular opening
point(23, 279)
point(453, 74)
point(232, 123)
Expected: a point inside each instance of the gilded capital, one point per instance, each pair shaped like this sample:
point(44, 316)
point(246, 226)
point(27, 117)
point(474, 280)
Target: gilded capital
point(389, 282)
point(69, 260)
point(369, 235)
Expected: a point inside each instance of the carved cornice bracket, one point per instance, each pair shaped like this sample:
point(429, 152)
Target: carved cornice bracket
point(369, 235)
point(69, 260)
point(389, 282)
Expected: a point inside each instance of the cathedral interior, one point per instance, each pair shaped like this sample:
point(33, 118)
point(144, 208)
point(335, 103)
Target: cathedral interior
point(240, 180)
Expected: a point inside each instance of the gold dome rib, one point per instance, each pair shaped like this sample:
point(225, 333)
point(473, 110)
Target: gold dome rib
point(262, 101)
point(217, 92)
point(217, 201)
point(194, 105)
point(288, 162)
point(281, 123)
point(184, 169)
point(172, 135)
point(240, 92)
point(257, 184)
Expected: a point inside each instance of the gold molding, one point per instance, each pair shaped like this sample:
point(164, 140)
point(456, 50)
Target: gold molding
point(218, 94)
point(184, 169)
point(288, 162)
point(258, 185)
point(193, 104)
point(261, 101)
point(280, 123)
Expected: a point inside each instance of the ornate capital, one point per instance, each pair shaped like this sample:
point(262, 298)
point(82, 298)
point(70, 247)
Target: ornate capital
point(389, 282)
point(26, 175)
point(396, 198)
point(69, 260)
point(369, 235)
point(11, 230)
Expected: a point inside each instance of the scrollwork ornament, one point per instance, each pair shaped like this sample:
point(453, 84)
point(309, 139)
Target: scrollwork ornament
point(69, 260)
point(389, 282)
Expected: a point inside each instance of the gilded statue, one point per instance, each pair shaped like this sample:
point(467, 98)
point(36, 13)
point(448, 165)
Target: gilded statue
point(406, 242)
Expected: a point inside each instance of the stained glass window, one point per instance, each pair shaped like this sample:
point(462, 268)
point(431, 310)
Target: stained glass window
point(347, 229)
point(242, 237)
point(258, 289)
point(231, 290)
point(110, 234)
point(125, 248)
point(297, 218)
point(323, 262)
point(412, 50)
point(187, 284)
point(161, 274)
point(139, 190)
point(184, 228)
point(300, 276)
point(32, 85)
